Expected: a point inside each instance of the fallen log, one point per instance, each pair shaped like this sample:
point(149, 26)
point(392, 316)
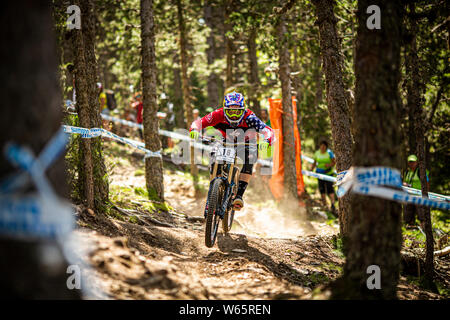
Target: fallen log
point(443, 252)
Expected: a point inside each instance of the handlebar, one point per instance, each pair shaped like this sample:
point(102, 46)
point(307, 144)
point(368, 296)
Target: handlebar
point(224, 143)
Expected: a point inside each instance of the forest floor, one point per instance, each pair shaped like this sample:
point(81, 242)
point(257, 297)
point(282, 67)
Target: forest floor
point(148, 250)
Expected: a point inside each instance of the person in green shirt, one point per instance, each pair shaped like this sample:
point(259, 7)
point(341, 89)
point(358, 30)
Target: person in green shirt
point(411, 179)
point(324, 161)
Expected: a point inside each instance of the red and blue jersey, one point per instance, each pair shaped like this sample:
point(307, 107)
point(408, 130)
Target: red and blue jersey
point(217, 120)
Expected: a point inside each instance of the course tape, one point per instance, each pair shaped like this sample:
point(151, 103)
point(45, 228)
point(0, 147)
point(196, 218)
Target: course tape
point(100, 132)
point(40, 214)
point(375, 181)
point(179, 136)
point(319, 176)
point(267, 163)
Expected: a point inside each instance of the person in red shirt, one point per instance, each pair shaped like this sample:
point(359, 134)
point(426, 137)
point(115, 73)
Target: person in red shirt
point(139, 106)
point(233, 120)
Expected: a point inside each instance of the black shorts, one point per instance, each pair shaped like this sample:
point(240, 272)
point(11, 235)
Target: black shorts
point(326, 187)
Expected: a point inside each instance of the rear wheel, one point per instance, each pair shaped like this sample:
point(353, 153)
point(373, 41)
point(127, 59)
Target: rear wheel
point(215, 200)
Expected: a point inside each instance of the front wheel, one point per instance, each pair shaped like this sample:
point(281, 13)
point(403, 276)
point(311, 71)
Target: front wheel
point(215, 200)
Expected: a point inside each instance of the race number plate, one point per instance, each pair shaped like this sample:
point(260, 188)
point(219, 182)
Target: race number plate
point(226, 155)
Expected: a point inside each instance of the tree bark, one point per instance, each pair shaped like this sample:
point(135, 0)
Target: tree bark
point(186, 88)
point(415, 90)
point(336, 97)
point(153, 165)
point(92, 171)
point(213, 79)
point(375, 225)
point(229, 50)
point(290, 173)
point(178, 94)
point(253, 76)
point(30, 116)
point(85, 162)
point(297, 84)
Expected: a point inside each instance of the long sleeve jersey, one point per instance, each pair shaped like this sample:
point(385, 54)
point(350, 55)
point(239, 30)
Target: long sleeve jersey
point(217, 120)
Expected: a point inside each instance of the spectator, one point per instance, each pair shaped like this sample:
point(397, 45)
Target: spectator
point(102, 99)
point(324, 160)
point(411, 179)
point(265, 117)
point(139, 106)
point(195, 114)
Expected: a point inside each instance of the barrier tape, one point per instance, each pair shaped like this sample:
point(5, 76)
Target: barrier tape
point(100, 132)
point(267, 163)
point(179, 136)
point(431, 195)
point(319, 176)
point(37, 215)
point(375, 181)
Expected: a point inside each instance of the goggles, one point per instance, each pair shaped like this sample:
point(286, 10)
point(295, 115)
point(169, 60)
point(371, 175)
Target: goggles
point(234, 113)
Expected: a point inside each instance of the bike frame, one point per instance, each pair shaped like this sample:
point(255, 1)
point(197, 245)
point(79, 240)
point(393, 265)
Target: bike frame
point(230, 181)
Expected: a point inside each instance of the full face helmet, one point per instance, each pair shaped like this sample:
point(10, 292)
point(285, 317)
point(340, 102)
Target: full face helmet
point(234, 108)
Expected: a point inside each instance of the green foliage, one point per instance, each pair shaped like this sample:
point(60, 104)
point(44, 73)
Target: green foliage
point(338, 245)
point(140, 191)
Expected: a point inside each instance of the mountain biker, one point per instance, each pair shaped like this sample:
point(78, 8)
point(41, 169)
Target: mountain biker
point(232, 116)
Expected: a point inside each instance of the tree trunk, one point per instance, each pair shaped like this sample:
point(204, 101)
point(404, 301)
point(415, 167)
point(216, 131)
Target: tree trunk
point(178, 94)
point(415, 90)
point(375, 225)
point(253, 77)
point(186, 89)
point(297, 83)
point(336, 97)
point(30, 116)
point(229, 50)
point(92, 171)
point(153, 165)
point(290, 173)
point(318, 97)
point(85, 162)
point(213, 79)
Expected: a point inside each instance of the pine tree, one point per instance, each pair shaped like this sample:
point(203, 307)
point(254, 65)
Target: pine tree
point(375, 225)
point(153, 165)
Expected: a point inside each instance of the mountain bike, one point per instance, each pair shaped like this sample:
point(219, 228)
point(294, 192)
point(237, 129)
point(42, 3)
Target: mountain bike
point(224, 181)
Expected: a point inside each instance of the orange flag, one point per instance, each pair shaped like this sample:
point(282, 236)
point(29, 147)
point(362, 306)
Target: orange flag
point(276, 182)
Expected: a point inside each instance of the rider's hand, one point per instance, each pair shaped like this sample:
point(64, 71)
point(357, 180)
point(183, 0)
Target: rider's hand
point(194, 134)
point(263, 148)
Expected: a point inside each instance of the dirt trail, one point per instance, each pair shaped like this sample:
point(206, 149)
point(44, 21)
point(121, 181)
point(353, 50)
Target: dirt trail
point(267, 255)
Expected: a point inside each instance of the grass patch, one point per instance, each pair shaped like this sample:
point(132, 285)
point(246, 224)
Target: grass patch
point(420, 282)
point(440, 219)
point(338, 246)
point(139, 173)
point(141, 192)
point(331, 267)
point(318, 278)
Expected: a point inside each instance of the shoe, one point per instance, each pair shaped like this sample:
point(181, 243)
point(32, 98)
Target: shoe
point(238, 203)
